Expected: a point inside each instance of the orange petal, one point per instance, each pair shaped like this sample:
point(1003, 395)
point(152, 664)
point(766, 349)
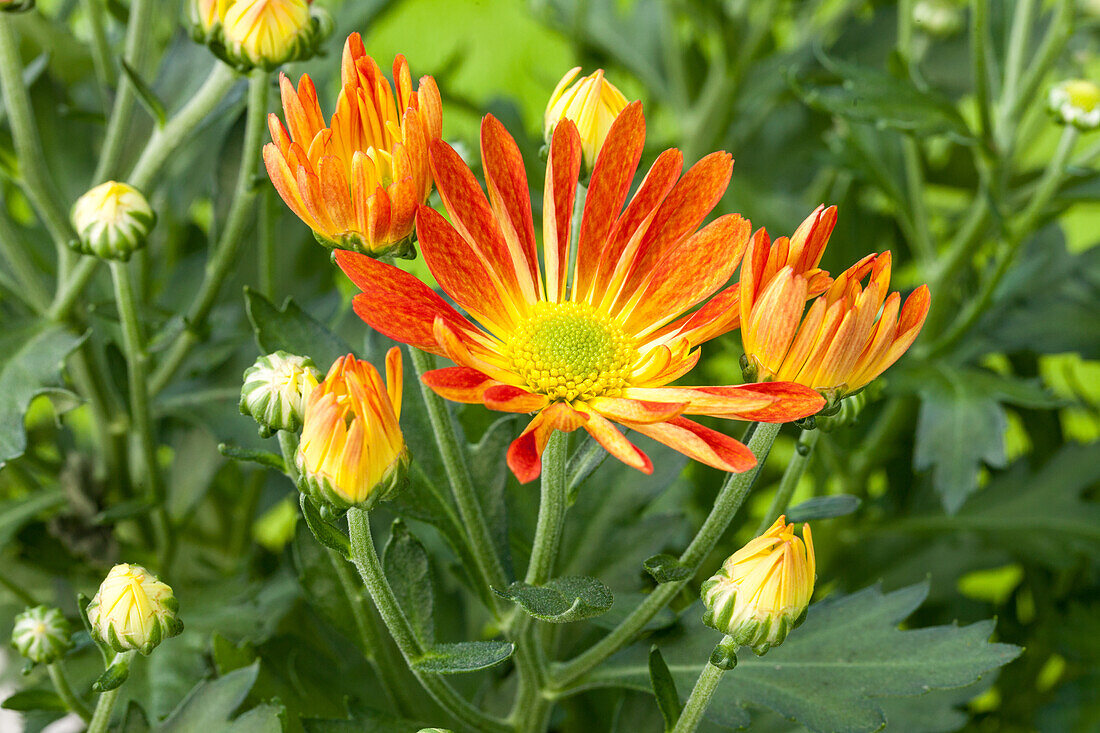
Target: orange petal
point(787, 401)
point(509, 193)
point(637, 411)
point(459, 384)
point(525, 452)
point(700, 443)
point(506, 398)
point(614, 442)
point(562, 171)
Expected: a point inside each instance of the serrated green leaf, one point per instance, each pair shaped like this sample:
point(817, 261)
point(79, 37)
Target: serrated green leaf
point(823, 507)
point(410, 574)
point(262, 457)
point(664, 688)
point(561, 600)
point(211, 704)
point(464, 656)
point(27, 700)
point(831, 672)
point(31, 358)
point(291, 329)
point(666, 568)
point(145, 93)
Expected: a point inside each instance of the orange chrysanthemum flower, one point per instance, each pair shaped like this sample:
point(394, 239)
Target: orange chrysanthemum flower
point(843, 342)
point(357, 181)
point(580, 344)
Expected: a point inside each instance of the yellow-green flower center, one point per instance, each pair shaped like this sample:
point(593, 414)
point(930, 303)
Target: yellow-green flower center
point(568, 351)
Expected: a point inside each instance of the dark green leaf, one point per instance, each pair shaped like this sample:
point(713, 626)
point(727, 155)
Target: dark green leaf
point(823, 507)
point(325, 533)
point(35, 700)
point(30, 364)
point(561, 600)
point(831, 672)
point(664, 688)
point(410, 574)
point(262, 457)
point(210, 707)
point(17, 513)
point(666, 568)
point(465, 656)
point(490, 474)
point(292, 330)
point(145, 93)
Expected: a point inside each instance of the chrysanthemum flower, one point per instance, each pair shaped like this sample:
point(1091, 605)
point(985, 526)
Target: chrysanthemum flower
point(1076, 102)
point(352, 452)
point(592, 103)
point(761, 592)
point(358, 180)
point(583, 344)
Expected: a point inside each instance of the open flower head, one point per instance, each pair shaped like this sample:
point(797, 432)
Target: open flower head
point(352, 452)
point(585, 344)
point(275, 390)
point(133, 610)
point(850, 334)
point(111, 221)
point(357, 180)
point(761, 592)
point(592, 103)
point(1076, 102)
point(42, 635)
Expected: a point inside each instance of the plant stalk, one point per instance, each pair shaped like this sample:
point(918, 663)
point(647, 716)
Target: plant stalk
point(791, 476)
point(701, 695)
point(65, 692)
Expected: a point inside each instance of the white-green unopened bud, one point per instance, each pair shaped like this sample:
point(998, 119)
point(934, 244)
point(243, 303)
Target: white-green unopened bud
point(275, 391)
point(42, 635)
point(940, 18)
point(112, 221)
point(1076, 102)
point(133, 610)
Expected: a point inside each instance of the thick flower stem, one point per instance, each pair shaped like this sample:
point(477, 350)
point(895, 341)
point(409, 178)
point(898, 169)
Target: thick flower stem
point(701, 695)
point(65, 692)
point(458, 473)
point(224, 256)
point(105, 706)
point(141, 424)
point(791, 476)
point(726, 505)
point(366, 561)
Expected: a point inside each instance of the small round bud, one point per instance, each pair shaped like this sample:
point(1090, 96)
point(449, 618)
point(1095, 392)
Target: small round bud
point(205, 19)
point(592, 103)
point(940, 18)
point(111, 221)
point(352, 451)
point(133, 610)
point(42, 635)
point(1076, 102)
point(275, 391)
point(761, 592)
point(260, 33)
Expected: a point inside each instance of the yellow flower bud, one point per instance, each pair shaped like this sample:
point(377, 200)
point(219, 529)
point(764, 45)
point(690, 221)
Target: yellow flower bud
point(592, 103)
point(352, 452)
point(206, 18)
point(275, 391)
point(111, 221)
point(267, 33)
point(1076, 102)
point(133, 610)
point(42, 635)
point(761, 592)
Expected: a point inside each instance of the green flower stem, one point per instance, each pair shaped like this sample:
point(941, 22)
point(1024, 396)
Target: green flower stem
point(701, 695)
point(101, 49)
point(269, 214)
point(65, 692)
point(166, 140)
point(1022, 21)
point(139, 34)
point(105, 706)
point(70, 288)
point(979, 49)
point(141, 425)
point(791, 476)
point(458, 473)
point(1050, 49)
point(366, 561)
point(224, 256)
point(33, 290)
point(726, 505)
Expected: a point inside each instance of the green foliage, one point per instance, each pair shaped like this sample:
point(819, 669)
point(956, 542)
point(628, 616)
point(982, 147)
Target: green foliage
point(464, 656)
point(410, 574)
point(561, 600)
point(211, 706)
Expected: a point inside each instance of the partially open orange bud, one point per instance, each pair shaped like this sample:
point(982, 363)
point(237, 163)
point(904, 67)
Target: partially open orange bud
point(592, 103)
point(357, 181)
point(352, 452)
point(761, 592)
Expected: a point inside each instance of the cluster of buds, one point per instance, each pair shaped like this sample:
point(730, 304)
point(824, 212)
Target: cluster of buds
point(132, 610)
point(112, 221)
point(352, 451)
point(259, 33)
point(1076, 102)
point(42, 635)
point(592, 103)
point(275, 391)
point(762, 591)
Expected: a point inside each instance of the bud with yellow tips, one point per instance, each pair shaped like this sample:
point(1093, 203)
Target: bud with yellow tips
point(132, 610)
point(761, 592)
point(592, 103)
point(259, 33)
point(275, 390)
point(111, 221)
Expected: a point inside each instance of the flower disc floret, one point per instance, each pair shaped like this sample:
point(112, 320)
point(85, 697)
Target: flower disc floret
point(568, 351)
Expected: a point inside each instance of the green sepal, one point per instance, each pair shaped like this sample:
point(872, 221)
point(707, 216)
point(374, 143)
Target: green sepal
point(666, 569)
point(402, 249)
point(325, 533)
point(325, 496)
point(113, 677)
